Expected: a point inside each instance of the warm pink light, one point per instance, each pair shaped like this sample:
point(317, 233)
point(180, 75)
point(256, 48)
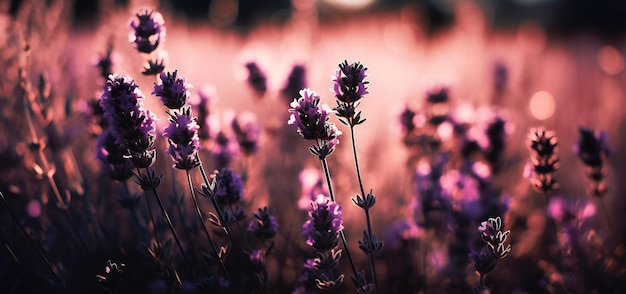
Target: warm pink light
point(542, 105)
point(610, 60)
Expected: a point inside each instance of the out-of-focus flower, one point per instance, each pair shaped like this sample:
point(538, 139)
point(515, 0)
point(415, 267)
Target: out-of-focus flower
point(570, 212)
point(295, 81)
point(154, 65)
point(307, 279)
point(401, 232)
point(229, 186)
point(484, 261)
point(256, 78)
point(500, 78)
point(112, 276)
point(114, 156)
point(542, 145)
point(131, 123)
point(349, 84)
point(264, 226)
point(203, 103)
point(173, 90)
point(312, 185)
point(148, 30)
point(182, 134)
point(247, 132)
point(106, 62)
point(223, 151)
point(324, 224)
point(592, 150)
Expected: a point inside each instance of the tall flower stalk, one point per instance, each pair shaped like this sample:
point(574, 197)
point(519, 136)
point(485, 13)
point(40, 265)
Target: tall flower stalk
point(349, 86)
point(134, 128)
point(313, 123)
point(184, 142)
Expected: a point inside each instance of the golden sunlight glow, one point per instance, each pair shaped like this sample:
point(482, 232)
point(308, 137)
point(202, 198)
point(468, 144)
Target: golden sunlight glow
point(610, 60)
point(542, 105)
point(350, 4)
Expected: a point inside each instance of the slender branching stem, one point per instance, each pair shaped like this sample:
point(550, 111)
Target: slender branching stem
point(134, 213)
point(341, 233)
point(206, 231)
point(216, 206)
point(367, 213)
point(167, 219)
point(32, 241)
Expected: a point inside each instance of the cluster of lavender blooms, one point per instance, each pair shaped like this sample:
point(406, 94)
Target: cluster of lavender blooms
point(454, 161)
point(322, 233)
point(312, 122)
point(485, 261)
point(130, 122)
point(148, 32)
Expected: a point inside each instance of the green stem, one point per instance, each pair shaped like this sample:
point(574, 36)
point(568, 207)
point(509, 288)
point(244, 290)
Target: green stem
point(341, 233)
point(206, 231)
point(367, 214)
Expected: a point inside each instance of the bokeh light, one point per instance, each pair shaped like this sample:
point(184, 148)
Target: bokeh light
point(610, 60)
point(542, 105)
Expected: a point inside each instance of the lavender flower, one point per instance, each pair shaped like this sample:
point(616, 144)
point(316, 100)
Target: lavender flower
point(148, 31)
point(493, 235)
point(206, 97)
point(114, 156)
point(349, 86)
point(223, 150)
point(349, 82)
point(295, 81)
point(324, 224)
point(312, 122)
point(229, 186)
point(182, 134)
point(592, 150)
point(131, 123)
point(247, 131)
point(542, 145)
point(174, 91)
point(485, 261)
point(264, 226)
point(256, 78)
point(154, 66)
point(112, 276)
point(105, 63)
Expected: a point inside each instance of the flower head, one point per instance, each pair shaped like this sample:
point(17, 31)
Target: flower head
point(295, 81)
point(542, 144)
point(229, 187)
point(256, 78)
point(148, 31)
point(114, 156)
point(182, 134)
point(264, 225)
point(493, 235)
point(324, 224)
point(349, 84)
point(313, 122)
point(131, 124)
point(247, 132)
point(173, 90)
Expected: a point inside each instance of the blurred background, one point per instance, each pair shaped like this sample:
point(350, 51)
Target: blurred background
point(556, 63)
